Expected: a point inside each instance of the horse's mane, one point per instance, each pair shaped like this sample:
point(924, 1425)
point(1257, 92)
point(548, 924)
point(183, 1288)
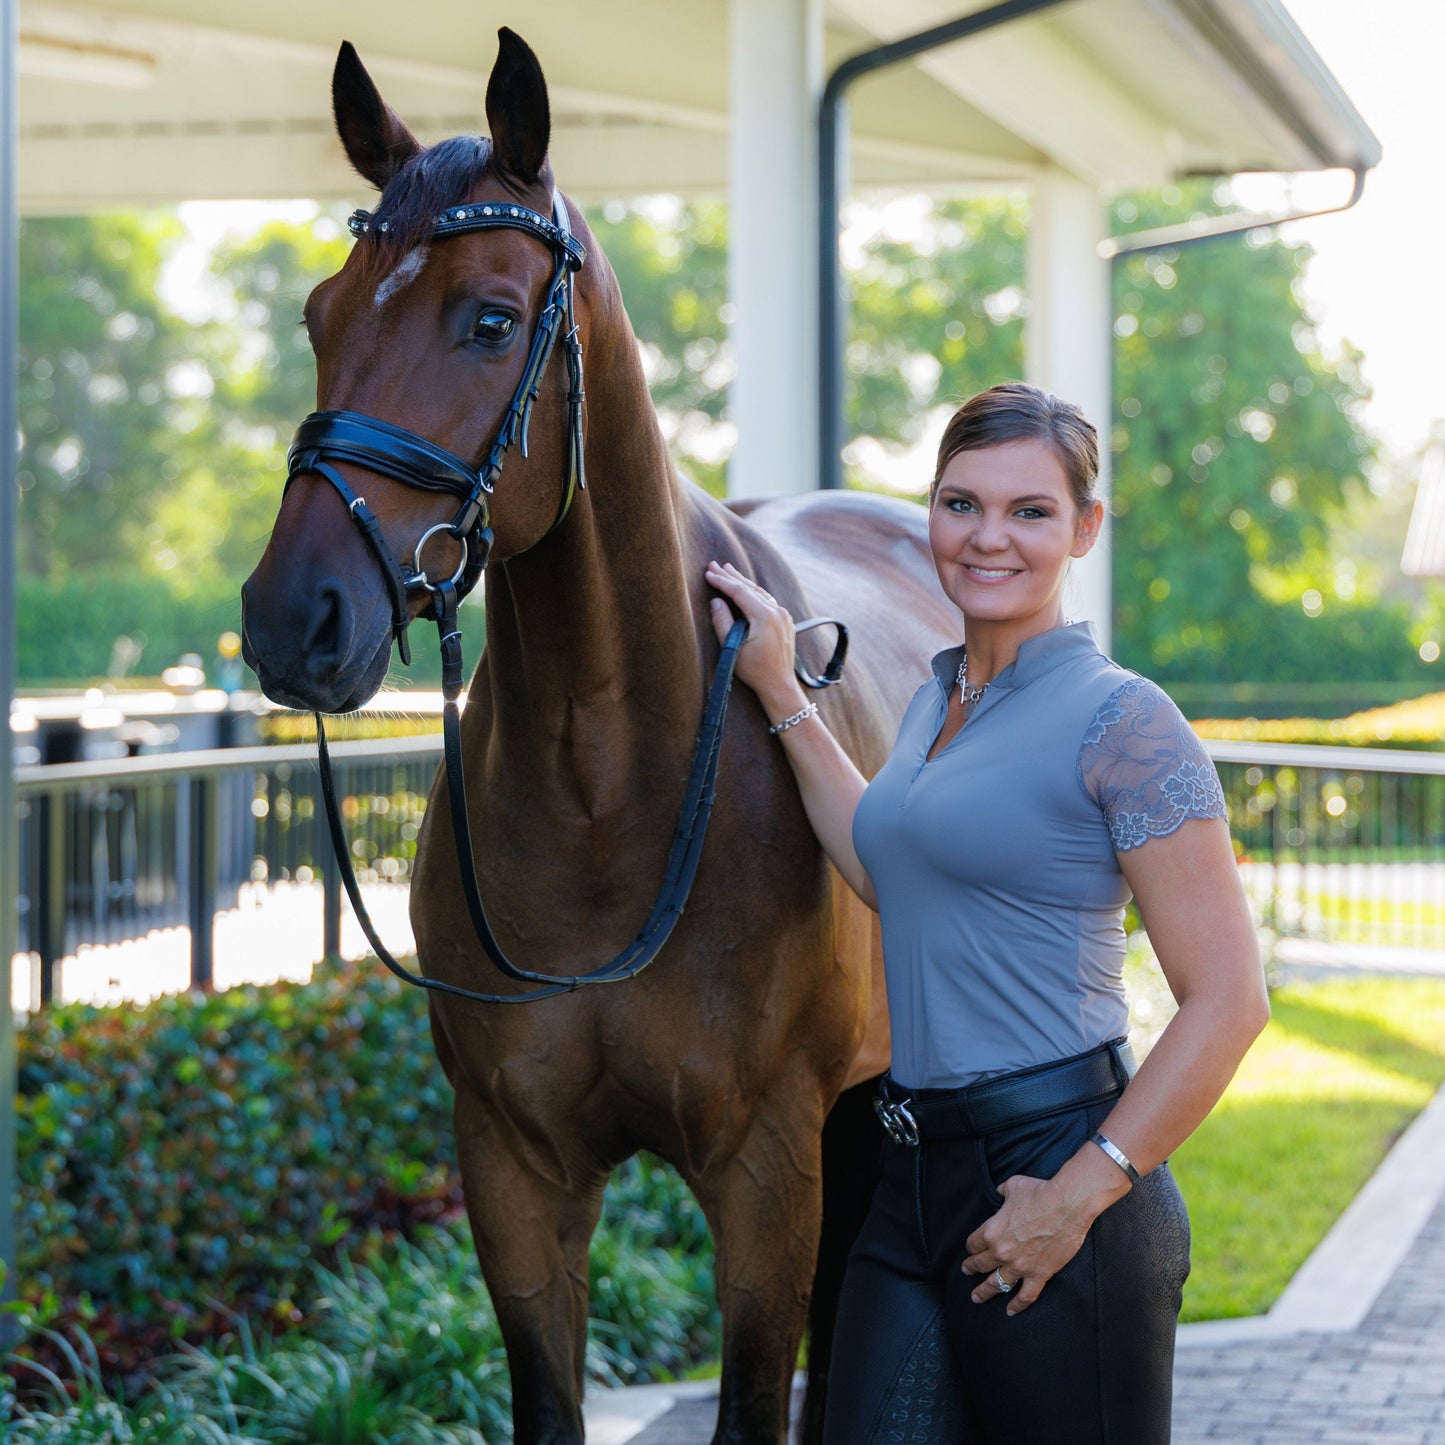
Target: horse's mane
point(439, 176)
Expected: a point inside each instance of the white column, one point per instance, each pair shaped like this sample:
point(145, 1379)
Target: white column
point(1068, 345)
point(776, 54)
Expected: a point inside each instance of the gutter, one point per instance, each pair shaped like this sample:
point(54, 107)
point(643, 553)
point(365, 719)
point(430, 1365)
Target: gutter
point(1212, 227)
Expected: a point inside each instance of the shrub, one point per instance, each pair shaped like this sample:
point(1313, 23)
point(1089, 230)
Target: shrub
point(195, 1162)
point(210, 1146)
point(1415, 723)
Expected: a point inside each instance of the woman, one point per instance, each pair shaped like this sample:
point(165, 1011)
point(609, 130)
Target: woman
point(1019, 1278)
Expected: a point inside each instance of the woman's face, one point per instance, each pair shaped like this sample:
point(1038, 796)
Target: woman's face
point(1003, 527)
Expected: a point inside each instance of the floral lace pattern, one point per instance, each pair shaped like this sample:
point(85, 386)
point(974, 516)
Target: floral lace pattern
point(1145, 767)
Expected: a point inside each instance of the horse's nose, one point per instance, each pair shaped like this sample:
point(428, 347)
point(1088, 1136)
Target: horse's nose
point(297, 643)
point(327, 632)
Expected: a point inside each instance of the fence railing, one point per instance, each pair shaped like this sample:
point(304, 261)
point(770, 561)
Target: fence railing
point(1342, 851)
point(112, 852)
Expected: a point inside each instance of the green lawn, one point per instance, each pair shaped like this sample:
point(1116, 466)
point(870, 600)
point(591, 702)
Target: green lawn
point(1341, 1070)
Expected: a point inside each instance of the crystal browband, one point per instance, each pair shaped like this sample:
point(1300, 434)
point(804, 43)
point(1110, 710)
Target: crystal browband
point(487, 215)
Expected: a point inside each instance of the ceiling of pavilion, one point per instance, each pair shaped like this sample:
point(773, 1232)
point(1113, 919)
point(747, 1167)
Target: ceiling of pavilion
point(154, 101)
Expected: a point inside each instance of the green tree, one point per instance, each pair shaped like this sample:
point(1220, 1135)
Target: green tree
point(1236, 442)
point(936, 317)
point(671, 263)
point(109, 391)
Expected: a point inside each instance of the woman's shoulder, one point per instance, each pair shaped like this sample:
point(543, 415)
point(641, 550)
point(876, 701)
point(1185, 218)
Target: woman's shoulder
point(1128, 696)
point(1145, 766)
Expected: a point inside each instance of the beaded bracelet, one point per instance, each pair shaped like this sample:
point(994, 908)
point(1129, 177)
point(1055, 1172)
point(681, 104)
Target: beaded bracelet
point(797, 717)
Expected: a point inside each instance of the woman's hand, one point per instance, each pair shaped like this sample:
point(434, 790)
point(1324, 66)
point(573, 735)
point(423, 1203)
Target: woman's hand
point(1041, 1227)
point(765, 662)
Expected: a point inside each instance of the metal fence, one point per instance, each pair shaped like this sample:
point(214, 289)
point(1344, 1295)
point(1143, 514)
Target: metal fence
point(113, 852)
point(1342, 852)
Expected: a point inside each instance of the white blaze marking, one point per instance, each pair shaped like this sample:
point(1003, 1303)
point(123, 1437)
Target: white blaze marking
point(405, 273)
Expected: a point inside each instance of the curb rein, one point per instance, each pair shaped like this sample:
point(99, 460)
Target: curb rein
point(346, 436)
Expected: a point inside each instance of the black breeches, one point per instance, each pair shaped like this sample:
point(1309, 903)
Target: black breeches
point(916, 1362)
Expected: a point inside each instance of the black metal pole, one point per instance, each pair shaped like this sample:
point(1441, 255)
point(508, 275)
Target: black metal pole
point(9, 434)
point(47, 903)
point(201, 864)
point(832, 167)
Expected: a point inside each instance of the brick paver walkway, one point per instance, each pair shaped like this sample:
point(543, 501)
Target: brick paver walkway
point(1383, 1383)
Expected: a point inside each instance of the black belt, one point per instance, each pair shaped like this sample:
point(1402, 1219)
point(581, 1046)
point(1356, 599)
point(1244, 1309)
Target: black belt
point(1006, 1100)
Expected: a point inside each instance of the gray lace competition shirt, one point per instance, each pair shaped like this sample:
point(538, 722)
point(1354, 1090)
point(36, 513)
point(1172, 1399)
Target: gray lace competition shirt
point(995, 864)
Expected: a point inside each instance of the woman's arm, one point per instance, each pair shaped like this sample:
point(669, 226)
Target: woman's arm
point(1192, 903)
point(827, 779)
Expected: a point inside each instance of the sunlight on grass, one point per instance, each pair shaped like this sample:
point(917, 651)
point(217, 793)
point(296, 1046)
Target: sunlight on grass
point(1341, 1070)
point(1374, 912)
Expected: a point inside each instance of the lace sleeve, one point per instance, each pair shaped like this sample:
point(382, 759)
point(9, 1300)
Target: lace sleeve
point(1144, 766)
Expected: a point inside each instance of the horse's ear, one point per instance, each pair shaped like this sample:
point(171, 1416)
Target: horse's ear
point(517, 111)
point(377, 142)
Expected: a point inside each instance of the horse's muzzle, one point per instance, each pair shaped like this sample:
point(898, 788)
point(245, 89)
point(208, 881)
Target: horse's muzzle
point(318, 652)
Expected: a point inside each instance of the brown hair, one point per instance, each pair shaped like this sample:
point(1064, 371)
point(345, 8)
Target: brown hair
point(1014, 411)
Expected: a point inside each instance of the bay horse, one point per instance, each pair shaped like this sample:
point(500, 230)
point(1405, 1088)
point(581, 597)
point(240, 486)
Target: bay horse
point(765, 1005)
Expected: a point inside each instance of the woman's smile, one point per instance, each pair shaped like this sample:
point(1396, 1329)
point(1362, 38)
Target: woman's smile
point(1003, 527)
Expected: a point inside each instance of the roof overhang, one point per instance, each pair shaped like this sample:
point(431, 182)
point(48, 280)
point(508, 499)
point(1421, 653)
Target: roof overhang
point(148, 102)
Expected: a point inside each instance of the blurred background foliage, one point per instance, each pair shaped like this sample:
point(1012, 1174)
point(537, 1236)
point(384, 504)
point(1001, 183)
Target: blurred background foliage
point(1257, 530)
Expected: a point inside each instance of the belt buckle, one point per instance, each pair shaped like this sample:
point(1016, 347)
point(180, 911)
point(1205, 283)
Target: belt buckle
point(893, 1114)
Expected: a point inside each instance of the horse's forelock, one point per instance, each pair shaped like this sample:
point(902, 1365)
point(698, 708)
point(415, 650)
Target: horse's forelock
point(440, 176)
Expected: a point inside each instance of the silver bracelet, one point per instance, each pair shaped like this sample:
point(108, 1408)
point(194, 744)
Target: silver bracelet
point(797, 717)
point(1117, 1155)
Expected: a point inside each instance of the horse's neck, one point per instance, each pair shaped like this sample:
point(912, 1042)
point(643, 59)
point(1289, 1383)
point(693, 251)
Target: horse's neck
point(593, 669)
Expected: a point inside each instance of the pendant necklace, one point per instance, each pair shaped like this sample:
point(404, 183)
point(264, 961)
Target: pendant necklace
point(971, 695)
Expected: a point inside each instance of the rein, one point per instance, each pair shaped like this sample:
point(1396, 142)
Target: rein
point(327, 436)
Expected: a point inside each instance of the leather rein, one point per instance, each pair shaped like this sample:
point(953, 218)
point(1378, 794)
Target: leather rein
point(330, 436)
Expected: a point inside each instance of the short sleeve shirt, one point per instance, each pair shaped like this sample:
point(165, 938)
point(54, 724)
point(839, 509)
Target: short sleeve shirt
point(995, 863)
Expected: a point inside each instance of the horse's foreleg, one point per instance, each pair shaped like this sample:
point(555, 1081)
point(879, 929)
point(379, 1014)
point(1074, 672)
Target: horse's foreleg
point(764, 1206)
point(532, 1236)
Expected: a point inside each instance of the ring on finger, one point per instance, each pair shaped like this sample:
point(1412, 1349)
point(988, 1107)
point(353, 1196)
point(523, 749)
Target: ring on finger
point(1004, 1286)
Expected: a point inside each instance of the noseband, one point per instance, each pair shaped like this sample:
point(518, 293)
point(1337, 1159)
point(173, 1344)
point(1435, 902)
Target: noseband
point(325, 437)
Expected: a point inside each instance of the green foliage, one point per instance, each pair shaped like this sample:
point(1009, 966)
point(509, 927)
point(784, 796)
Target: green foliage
point(653, 1294)
point(76, 627)
point(1415, 723)
point(671, 263)
point(1237, 444)
point(101, 381)
point(936, 318)
point(269, 383)
point(194, 1163)
point(208, 1146)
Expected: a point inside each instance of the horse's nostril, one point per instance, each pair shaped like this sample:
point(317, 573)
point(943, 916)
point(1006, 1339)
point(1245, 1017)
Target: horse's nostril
point(327, 636)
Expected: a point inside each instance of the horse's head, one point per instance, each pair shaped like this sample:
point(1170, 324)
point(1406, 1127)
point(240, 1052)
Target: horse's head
point(431, 343)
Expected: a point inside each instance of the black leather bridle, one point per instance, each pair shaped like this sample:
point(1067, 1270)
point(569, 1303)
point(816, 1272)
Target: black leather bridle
point(326, 437)
point(348, 436)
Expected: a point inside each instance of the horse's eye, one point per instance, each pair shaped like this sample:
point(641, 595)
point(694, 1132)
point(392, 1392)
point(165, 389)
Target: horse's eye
point(493, 327)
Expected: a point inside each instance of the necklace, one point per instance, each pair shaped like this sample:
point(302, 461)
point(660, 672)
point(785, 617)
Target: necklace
point(971, 695)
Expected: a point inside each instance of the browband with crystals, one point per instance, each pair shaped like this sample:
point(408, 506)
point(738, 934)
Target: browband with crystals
point(486, 215)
